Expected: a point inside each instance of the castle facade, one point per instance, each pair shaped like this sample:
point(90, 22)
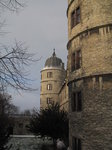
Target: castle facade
point(90, 74)
point(53, 84)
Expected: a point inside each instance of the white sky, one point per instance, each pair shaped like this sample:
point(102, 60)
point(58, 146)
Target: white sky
point(42, 25)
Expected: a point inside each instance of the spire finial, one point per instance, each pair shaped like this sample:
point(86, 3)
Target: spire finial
point(54, 54)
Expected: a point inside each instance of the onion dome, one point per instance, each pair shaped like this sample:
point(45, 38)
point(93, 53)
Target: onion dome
point(54, 61)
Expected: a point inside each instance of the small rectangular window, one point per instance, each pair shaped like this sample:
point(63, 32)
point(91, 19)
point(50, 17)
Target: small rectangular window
point(73, 62)
point(49, 100)
point(76, 102)
point(49, 86)
point(76, 60)
point(75, 17)
point(76, 143)
point(110, 27)
point(49, 74)
point(79, 101)
point(78, 15)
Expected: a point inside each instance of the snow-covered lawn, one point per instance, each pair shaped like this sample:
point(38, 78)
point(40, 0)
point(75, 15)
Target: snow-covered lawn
point(27, 142)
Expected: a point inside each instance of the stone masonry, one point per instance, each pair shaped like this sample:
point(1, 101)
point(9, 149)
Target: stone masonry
point(91, 127)
point(53, 75)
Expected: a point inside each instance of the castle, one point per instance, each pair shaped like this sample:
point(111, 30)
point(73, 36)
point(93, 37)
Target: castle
point(53, 83)
point(89, 75)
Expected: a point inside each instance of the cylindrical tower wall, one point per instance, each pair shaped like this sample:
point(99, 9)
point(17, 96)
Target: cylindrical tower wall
point(92, 125)
point(93, 13)
point(96, 54)
point(90, 73)
point(55, 81)
point(93, 36)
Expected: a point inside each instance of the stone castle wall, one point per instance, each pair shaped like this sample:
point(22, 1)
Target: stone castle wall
point(93, 13)
point(93, 125)
point(93, 36)
point(63, 97)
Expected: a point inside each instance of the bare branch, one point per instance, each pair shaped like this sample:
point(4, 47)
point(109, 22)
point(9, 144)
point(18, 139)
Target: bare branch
point(12, 5)
point(13, 65)
point(15, 60)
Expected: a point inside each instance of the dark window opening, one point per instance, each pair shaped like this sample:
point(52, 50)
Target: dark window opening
point(49, 74)
point(75, 17)
point(110, 27)
point(49, 86)
point(78, 15)
point(76, 143)
point(76, 60)
point(92, 31)
point(76, 103)
point(49, 100)
point(73, 62)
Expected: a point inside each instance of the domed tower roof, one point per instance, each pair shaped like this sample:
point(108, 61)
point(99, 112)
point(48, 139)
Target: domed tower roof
point(54, 61)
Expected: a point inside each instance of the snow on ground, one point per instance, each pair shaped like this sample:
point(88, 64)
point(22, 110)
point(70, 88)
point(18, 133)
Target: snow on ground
point(27, 143)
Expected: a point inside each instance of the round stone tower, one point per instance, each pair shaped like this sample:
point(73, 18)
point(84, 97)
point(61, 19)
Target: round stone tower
point(90, 73)
point(52, 78)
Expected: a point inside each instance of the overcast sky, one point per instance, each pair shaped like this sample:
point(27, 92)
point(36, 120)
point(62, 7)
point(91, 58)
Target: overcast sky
point(42, 25)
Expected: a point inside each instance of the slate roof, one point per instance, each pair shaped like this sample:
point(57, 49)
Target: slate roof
point(54, 61)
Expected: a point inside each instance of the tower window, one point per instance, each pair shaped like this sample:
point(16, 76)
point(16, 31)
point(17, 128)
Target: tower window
point(76, 60)
point(49, 74)
point(76, 143)
point(49, 86)
point(49, 100)
point(76, 102)
point(75, 17)
point(78, 15)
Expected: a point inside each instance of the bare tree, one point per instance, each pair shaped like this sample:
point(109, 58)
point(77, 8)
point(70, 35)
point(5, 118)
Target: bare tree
point(13, 62)
point(12, 5)
point(6, 105)
point(6, 122)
